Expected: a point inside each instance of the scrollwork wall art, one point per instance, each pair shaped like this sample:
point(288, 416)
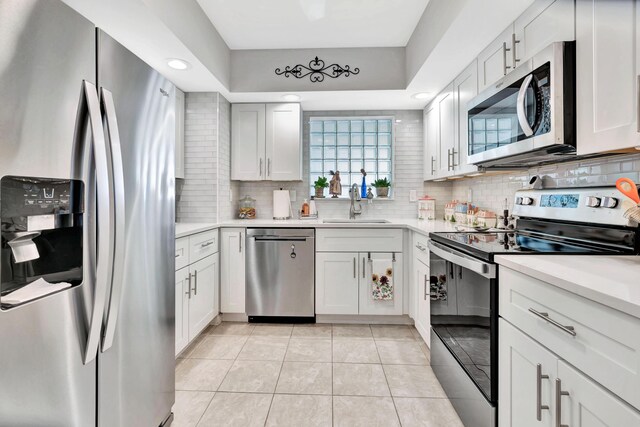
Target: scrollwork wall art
point(317, 71)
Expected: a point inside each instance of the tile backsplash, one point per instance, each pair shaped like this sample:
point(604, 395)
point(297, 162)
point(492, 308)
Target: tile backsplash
point(407, 173)
point(490, 191)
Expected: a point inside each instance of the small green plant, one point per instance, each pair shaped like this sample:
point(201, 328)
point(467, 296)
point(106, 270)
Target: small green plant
point(321, 182)
point(381, 183)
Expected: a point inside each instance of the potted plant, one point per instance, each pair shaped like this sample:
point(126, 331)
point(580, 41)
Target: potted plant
point(320, 184)
point(382, 187)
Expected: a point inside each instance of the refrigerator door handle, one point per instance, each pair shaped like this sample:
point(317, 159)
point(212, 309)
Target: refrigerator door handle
point(91, 160)
point(109, 110)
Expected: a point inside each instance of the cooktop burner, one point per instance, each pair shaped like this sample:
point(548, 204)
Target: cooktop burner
point(486, 244)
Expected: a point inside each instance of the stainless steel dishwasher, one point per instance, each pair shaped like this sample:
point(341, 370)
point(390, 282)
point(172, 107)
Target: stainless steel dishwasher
point(280, 274)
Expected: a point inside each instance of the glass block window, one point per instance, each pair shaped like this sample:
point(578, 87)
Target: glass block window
point(348, 144)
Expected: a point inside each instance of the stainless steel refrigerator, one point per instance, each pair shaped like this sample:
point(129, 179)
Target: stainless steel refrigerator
point(87, 201)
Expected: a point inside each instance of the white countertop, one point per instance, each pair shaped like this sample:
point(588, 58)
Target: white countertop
point(187, 228)
point(610, 280)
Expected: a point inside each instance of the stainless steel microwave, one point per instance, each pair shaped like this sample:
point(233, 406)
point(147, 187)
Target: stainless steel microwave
point(528, 117)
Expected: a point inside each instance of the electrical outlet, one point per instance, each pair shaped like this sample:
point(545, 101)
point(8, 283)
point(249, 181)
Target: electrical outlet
point(292, 195)
point(413, 195)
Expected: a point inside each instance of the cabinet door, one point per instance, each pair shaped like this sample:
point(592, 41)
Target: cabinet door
point(202, 303)
point(337, 282)
point(587, 404)
point(179, 133)
point(380, 265)
point(607, 75)
point(465, 87)
point(521, 360)
point(283, 142)
point(447, 124)
point(248, 142)
point(431, 141)
point(544, 22)
point(494, 61)
point(232, 278)
point(182, 309)
point(423, 315)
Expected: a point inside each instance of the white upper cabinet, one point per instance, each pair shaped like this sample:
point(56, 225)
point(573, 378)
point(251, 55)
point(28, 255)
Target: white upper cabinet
point(248, 142)
point(266, 142)
point(544, 22)
point(431, 141)
point(465, 87)
point(284, 151)
point(447, 123)
point(495, 61)
point(179, 133)
point(608, 73)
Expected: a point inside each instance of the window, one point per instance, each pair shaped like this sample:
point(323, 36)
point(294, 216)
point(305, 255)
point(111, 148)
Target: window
point(349, 144)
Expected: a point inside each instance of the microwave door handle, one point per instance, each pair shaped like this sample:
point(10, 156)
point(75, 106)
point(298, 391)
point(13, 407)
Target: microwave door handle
point(91, 160)
point(520, 106)
point(112, 129)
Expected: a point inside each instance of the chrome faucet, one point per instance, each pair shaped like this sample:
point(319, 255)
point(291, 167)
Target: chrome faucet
point(354, 195)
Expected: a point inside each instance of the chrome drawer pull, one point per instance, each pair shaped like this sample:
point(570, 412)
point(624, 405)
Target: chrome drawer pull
point(539, 405)
point(559, 394)
point(204, 245)
point(545, 316)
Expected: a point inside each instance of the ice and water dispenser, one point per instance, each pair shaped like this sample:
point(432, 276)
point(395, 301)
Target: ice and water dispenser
point(41, 237)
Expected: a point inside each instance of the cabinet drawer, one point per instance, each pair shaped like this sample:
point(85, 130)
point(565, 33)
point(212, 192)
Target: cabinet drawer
point(182, 252)
point(421, 248)
point(202, 245)
point(606, 345)
point(358, 240)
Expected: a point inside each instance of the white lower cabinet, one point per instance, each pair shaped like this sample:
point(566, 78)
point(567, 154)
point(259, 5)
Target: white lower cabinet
point(344, 282)
point(537, 388)
point(337, 283)
point(423, 309)
point(196, 303)
point(232, 277)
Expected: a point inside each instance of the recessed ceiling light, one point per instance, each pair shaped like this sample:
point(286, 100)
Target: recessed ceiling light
point(421, 95)
point(177, 64)
point(291, 97)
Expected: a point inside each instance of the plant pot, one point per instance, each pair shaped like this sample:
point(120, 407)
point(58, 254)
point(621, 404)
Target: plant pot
point(319, 192)
point(382, 191)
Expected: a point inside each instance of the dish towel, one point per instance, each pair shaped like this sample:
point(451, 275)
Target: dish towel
point(381, 280)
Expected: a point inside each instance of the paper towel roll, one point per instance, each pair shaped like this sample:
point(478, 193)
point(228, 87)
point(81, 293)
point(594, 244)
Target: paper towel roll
point(281, 204)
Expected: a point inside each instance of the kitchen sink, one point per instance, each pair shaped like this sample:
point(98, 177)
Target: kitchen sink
point(355, 221)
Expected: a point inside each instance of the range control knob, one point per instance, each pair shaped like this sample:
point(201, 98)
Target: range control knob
point(592, 202)
point(609, 202)
point(527, 201)
point(518, 200)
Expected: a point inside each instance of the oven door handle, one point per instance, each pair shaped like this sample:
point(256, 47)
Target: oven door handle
point(482, 268)
point(520, 106)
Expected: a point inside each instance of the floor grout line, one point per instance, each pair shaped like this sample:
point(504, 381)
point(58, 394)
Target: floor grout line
point(388, 386)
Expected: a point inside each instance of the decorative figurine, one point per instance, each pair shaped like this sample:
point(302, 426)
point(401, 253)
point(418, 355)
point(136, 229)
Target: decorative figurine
point(363, 187)
point(335, 188)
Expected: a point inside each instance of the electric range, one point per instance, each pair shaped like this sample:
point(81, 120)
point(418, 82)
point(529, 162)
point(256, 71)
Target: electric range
point(464, 282)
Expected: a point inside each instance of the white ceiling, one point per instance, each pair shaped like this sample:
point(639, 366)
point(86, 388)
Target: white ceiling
point(299, 24)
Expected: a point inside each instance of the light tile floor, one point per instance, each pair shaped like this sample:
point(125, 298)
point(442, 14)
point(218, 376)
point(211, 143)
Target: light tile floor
point(240, 374)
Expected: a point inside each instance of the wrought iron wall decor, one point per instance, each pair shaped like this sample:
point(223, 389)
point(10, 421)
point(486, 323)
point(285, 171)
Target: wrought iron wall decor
point(317, 71)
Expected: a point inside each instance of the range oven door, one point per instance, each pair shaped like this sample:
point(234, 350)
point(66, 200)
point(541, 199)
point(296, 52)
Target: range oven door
point(464, 314)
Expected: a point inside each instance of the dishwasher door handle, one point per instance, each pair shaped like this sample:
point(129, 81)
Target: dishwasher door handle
point(280, 239)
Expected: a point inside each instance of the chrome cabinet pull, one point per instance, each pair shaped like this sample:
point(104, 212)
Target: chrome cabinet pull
point(545, 316)
point(260, 167)
point(269, 167)
point(363, 267)
point(178, 256)
point(559, 394)
point(240, 241)
point(453, 158)
point(204, 245)
point(425, 287)
point(504, 57)
point(539, 406)
point(195, 283)
point(514, 53)
point(189, 291)
point(354, 268)
point(433, 169)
